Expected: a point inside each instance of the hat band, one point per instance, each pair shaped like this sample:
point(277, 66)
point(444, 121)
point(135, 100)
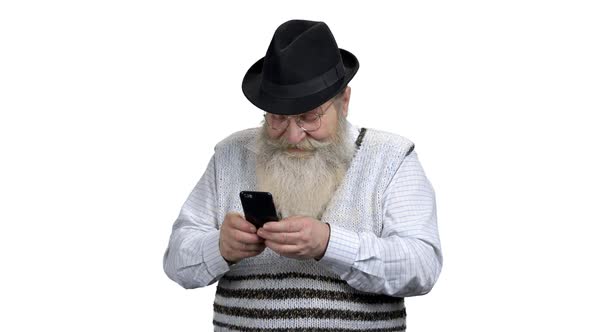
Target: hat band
point(306, 88)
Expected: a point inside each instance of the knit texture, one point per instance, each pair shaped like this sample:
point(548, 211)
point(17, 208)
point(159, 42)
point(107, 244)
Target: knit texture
point(273, 293)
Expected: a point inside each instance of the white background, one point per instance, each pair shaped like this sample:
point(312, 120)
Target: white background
point(110, 111)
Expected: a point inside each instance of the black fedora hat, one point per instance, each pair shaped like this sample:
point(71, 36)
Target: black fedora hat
point(302, 69)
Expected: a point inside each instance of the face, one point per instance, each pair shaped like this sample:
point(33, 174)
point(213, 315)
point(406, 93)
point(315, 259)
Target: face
point(290, 163)
point(293, 134)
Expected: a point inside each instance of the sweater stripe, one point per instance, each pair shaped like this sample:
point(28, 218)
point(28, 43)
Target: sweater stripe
point(306, 293)
point(286, 283)
point(280, 276)
point(357, 325)
point(305, 303)
point(308, 313)
point(256, 329)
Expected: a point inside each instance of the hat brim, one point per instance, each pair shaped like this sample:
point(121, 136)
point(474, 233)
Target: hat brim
point(251, 86)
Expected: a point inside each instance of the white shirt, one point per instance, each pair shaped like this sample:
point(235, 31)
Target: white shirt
point(404, 260)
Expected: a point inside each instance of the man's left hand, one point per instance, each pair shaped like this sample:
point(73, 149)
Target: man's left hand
point(296, 237)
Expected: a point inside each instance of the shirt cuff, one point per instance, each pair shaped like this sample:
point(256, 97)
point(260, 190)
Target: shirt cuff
point(342, 250)
point(214, 262)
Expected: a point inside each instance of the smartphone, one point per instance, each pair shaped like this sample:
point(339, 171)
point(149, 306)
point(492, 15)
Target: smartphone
point(259, 207)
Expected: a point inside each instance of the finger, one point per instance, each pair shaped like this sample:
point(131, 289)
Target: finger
point(283, 238)
point(247, 254)
point(245, 237)
point(283, 249)
point(293, 217)
point(284, 226)
point(245, 248)
point(238, 222)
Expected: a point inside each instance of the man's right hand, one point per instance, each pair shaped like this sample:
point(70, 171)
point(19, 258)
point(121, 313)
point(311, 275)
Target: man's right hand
point(238, 239)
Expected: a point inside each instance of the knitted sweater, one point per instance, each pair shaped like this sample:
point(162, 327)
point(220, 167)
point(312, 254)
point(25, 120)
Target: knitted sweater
point(273, 293)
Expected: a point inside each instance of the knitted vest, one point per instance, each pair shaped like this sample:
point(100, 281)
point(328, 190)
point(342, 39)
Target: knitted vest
point(273, 293)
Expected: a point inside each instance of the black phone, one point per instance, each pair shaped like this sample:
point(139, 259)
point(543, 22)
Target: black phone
point(259, 207)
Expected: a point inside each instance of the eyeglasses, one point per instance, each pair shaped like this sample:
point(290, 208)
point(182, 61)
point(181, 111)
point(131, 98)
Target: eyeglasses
point(308, 121)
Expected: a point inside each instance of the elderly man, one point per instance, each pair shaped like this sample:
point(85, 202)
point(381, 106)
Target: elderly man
point(359, 230)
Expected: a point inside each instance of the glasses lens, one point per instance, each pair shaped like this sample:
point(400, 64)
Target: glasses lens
point(309, 121)
point(276, 121)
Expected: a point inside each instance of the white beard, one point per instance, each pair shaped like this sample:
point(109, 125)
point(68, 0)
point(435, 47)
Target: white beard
point(303, 184)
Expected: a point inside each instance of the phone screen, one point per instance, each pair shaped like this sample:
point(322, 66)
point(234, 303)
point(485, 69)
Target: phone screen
point(259, 207)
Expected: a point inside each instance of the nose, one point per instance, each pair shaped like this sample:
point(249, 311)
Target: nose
point(294, 133)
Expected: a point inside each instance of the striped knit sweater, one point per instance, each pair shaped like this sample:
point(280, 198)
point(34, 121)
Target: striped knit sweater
point(273, 293)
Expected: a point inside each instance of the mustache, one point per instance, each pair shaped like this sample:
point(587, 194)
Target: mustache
point(307, 144)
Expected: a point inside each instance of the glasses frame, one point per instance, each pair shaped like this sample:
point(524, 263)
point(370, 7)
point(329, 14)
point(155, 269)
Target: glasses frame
point(299, 121)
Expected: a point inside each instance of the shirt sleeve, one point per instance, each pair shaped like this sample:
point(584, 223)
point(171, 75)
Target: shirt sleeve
point(406, 259)
point(192, 258)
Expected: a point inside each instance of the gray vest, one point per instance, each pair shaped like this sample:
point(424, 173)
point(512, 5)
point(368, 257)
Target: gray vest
point(273, 293)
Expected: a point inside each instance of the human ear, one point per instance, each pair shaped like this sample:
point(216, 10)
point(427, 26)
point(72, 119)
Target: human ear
point(345, 100)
